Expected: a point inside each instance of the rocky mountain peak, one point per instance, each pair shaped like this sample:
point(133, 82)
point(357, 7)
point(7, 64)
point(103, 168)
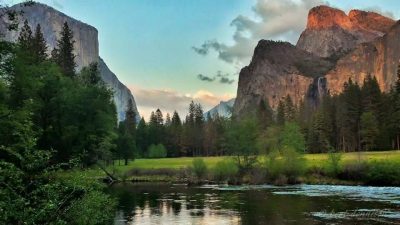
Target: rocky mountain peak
point(332, 33)
point(371, 20)
point(323, 17)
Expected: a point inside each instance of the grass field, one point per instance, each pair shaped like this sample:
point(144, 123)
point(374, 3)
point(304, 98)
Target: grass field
point(312, 160)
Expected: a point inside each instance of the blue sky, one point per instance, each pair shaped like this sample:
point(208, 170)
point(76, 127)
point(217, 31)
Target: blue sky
point(149, 43)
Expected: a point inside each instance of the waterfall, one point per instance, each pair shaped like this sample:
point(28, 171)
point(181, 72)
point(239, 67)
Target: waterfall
point(320, 88)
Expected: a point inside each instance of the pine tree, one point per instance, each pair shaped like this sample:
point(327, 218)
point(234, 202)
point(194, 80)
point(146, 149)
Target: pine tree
point(198, 128)
point(90, 75)
point(348, 115)
point(318, 134)
point(176, 133)
point(63, 55)
point(130, 119)
point(167, 120)
point(369, 130)
point(280, 113)
point(397, 85)
point(264, 114)
point(127, 134)
point(290, 109)
point(142, 138)
point(371, 95)
point(25, 38)
point(39, 46)
point(159, 117)
point(188, 132)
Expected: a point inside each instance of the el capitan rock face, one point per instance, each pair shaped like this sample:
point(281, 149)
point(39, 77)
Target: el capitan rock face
point(333, 48)
point(86, 45)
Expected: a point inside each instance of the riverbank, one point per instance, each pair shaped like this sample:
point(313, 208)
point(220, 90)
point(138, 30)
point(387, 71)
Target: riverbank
point(363, 168)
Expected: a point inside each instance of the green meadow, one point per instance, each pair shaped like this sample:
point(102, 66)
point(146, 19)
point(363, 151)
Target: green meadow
point(318, 160)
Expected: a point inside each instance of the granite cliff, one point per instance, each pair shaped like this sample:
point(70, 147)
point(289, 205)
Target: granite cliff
point(334, 47)
point(86, 44)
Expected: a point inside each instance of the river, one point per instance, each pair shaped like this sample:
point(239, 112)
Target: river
point(160, 203)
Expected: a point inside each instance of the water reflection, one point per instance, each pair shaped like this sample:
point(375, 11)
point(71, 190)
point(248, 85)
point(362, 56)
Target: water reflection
point(178, 204)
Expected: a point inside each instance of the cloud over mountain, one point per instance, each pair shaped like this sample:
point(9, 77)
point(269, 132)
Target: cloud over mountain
point(169, 100)
point(274, 19)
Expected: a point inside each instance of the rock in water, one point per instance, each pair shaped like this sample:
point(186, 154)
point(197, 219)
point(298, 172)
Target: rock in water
point(86, 45)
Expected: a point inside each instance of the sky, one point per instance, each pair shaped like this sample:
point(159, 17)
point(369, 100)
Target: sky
point(169, 52)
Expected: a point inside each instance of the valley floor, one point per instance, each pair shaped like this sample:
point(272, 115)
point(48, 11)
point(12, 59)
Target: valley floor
point(312, 160)
point(175, 169)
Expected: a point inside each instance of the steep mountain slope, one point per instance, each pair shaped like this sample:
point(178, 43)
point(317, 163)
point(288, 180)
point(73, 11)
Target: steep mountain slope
point(277, 69)
point(86, 44)
point(379, 58)
point(223, 109)
point(332, 49)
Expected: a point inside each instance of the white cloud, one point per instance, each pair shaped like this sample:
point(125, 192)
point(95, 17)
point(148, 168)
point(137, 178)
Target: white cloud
point(168, 100)
point(274, 19)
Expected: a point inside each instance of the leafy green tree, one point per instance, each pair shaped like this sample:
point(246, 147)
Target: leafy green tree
point(31, 190)
point(157, 151)
point(241, 138)
point(293, 138)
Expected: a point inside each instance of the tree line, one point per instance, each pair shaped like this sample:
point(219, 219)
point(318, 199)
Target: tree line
point(361, 118)
point(52, 118)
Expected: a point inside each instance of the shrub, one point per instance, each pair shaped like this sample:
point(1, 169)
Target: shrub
point(294, 165)
point(274, 166)
point(333, 167)
point(289, 168)
point(225, 171)
point(356, 171)
point(157, 151)
point(383, 173)
point(199, 168)
point(94, 208)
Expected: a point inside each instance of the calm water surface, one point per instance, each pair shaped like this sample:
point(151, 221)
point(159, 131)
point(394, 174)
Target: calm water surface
point(149, 203)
